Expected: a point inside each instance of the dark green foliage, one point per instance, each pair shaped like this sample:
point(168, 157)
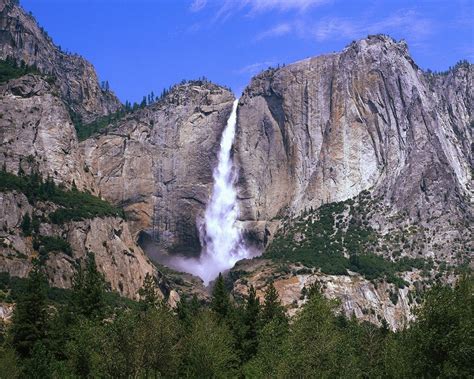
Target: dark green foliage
point(26, 224)
point(272, 308)
point(84, 348)
point(84, 131)
point(88, 295)
point(198, 342)
point(75, 205)
point(271, 350)
point(148, 296)
point(321, 238)
point(47, 244)
point(133, 345)
point(30, 315)
point(159, 346)
point(16, 287)
point(102, 123)
point(9, 363)
point(208, 349)
point(39, 364)
point(9, 69)
point(322, 347)
point(367, 344)
point(441, 341)
point(35, 224)
point(187, 311)
point(323, 246)
point(251, 317)
point(220, 302)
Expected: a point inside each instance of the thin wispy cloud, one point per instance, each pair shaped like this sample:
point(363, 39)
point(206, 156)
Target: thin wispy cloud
point(197, 5)
point(254, 68)
point(415, 25)
point(338, 28)
point(257, 7)
point(277, 31)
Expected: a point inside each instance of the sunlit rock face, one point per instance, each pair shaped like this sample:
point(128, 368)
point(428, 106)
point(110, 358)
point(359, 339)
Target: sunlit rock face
point(36, 133)
point(325, 128)
point(373, 301)
point(118, 257)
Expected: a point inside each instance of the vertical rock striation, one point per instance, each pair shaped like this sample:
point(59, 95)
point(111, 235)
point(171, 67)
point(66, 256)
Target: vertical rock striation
point(326, 128)
point(36, 133)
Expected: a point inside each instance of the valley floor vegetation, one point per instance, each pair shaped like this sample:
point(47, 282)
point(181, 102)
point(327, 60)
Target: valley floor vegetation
point(81, 333)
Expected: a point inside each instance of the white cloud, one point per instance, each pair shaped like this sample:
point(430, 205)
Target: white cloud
point(197, 5)
point(282, 5)
point(415, 26)
point(254, 7)
point(276, 31)
point(333, 27)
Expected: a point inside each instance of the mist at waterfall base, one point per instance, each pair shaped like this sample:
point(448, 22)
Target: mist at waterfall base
point(219, 234)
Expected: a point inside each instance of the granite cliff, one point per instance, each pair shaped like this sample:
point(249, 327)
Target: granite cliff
point(325, 129)
point(36, 133)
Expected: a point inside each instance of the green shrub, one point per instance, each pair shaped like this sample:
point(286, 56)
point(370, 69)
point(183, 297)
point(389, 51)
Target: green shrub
point(9, 69)
point(326, 237)
point(47, 244)
point(75, 205)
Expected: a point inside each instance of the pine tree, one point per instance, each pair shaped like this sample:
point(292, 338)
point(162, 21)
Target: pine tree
point(26, 224)
point(251, 318)
point(35, 224)
point(220, 303)
point(88, 295)
point(323, 349)
point(209, 349)
point(271, 351)
point(148, 296)
point(187, 310)
point(30, 316)
point(9, 363)
point(39, 365)
point(272, 308)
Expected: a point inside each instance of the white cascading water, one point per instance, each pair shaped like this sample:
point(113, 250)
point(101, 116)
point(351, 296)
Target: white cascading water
point(223, 243)
point(220, 236)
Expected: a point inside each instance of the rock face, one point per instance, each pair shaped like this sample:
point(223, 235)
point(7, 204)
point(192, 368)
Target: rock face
point(36, 133)
point(157, 163)
point(326, 128)
point(117, 256)
point(369, 301)
point(22, 39)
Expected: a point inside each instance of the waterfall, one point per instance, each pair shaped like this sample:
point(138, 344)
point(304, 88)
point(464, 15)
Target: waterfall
point(222, 240)
point(220, 237)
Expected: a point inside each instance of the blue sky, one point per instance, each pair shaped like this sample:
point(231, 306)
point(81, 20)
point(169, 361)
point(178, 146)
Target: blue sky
point(145, 45)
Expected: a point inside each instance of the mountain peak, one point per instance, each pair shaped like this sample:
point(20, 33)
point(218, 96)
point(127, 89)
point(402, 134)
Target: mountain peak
point(25, 42)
